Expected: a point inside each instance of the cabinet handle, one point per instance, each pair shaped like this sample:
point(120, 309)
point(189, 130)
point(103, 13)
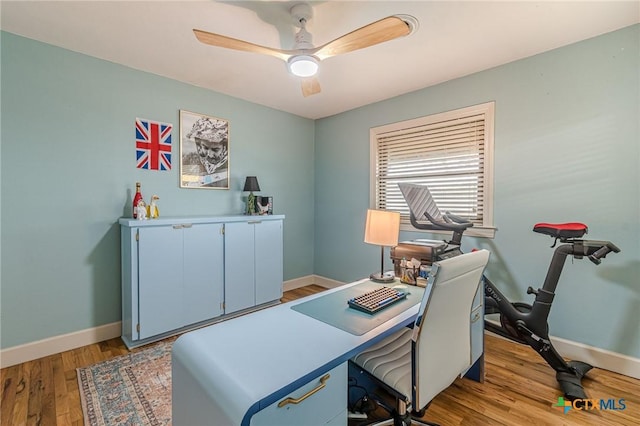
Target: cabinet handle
point(290, 400)
point(184, 225)
point(475, 317)
point(253, 222)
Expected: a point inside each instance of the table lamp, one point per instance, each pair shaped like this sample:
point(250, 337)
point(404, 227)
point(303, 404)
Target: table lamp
point(251, 184)
point(382, 229)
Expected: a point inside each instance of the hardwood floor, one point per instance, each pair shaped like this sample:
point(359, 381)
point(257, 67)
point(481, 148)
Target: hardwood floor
point(519, 389)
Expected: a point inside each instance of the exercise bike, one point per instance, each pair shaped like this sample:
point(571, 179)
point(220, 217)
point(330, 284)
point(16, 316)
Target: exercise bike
point(521, 322)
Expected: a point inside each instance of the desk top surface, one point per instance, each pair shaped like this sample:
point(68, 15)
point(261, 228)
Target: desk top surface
point(333, 309)
point(251, 361)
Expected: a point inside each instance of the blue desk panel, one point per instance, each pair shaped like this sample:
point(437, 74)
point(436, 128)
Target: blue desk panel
point(227, 372)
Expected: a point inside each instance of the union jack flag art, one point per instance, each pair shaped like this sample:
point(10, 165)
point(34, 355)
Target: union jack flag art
point(153, 145)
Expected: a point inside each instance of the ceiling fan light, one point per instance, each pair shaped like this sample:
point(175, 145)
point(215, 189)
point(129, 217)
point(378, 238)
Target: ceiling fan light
point(303, 65)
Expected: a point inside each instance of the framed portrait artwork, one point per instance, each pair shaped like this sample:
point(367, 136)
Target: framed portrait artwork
point(204, 151)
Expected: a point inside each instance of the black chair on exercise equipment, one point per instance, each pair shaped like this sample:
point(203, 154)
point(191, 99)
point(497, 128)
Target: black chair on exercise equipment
point(422, 206)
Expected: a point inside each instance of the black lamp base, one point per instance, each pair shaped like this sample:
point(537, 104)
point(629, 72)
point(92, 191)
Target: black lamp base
point(382, 278)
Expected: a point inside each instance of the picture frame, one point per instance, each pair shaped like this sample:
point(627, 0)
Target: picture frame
point(264, 204)
point(204, 151)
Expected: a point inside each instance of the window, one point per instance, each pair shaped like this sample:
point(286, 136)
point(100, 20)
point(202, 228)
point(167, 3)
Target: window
point(451, 153)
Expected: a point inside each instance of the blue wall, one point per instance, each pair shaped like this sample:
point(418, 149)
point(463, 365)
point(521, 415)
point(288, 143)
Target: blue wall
point(68, 171)
point(566, 149)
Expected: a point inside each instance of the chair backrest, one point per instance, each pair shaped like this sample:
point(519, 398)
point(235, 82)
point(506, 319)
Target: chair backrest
point(442, 332)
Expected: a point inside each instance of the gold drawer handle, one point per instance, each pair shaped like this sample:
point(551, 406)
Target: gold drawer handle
point(286, 401)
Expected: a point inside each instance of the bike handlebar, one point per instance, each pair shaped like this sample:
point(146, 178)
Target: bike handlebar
point(602, 252)
point(452, 218)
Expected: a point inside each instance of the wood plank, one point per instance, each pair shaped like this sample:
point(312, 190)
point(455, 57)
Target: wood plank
point(21, 403)
point(71, 382)
point(301, 292)
point(10, 377)
point(61, 395)
point(34, 406)
point(48, 403)
point(73, 399)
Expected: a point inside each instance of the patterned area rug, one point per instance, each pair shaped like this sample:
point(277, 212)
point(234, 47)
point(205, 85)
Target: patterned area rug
point(132, 389)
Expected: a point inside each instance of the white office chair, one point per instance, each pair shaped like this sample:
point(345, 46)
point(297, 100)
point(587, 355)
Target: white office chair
point(415, 365)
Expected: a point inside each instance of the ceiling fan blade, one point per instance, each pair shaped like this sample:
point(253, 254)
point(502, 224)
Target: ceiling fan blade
point(245, 46)
point(377, 32)
point(310, 86)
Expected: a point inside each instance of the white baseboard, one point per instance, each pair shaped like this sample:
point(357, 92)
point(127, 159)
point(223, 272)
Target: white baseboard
point(600, 358)
point(309, 280)
point(53, 345)
point(298, 282)
point(597, 357)
point(326, 282)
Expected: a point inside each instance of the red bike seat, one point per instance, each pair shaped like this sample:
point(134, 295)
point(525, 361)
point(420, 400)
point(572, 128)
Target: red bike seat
point(562, 230)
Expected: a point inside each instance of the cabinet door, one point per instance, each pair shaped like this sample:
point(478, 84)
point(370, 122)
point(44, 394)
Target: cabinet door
point(159, 280)
point(239, 259)
point(203, 272)
point(268, 249)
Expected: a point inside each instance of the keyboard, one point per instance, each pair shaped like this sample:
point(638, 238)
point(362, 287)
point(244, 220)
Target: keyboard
point(376, 300)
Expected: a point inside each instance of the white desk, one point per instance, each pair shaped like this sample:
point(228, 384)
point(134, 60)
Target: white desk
point(226, 373)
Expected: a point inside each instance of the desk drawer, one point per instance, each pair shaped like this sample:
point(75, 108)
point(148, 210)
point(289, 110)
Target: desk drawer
point(319, 408)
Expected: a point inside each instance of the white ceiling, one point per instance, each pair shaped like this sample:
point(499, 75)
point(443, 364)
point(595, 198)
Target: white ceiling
point(454, 39)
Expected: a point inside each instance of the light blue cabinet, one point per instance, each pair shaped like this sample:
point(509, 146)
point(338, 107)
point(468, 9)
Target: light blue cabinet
point(268, 261)
point(160, 280)
point(253, 263)
point(239, 264)
point(203, 272)
point(175, 273)
point(180, 280)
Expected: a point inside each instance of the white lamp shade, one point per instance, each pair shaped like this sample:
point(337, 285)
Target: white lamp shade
point(382, 228)
point(303, 65)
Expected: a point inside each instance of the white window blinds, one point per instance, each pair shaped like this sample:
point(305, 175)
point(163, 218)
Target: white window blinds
point(448, 152)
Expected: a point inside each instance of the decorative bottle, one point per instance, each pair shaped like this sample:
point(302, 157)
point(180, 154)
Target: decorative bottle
point(136, 200)
point(152, 208)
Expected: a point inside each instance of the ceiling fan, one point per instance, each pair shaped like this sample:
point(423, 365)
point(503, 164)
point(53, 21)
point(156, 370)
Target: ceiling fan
point(304, 59)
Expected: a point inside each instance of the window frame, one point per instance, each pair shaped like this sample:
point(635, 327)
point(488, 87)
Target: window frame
point(487, 230)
